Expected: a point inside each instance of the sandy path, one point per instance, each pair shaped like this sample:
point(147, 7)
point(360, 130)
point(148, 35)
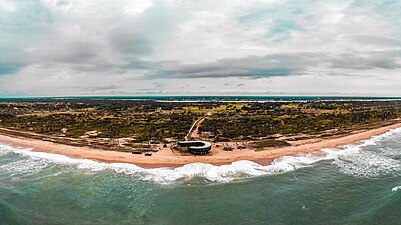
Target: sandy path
point(165, 158)
point(194, 134)
point(194, 128)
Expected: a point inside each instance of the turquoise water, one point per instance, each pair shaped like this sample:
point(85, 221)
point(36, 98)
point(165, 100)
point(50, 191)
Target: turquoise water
point(359, 184)
point(206, 98)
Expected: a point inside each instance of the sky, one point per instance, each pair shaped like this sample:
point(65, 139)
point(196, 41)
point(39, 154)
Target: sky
point(200, 47)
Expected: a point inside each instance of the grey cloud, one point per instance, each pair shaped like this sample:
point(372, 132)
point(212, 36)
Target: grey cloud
point(130, 41)
point(253, 66)
point(99, 67)
point(375, 40)
point(280, 65)
point(102, 88)
point(366, 61)
point(70, 52)
point(158, 85)
point(71, 49)
point(249, 67)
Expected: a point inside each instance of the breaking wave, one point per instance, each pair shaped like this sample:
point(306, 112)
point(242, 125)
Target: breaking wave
point(362, 161)
point(5, 149)
point(35, 161)
point(367, 164)
point(351, 160)
point(26, 166)
point(396, 189)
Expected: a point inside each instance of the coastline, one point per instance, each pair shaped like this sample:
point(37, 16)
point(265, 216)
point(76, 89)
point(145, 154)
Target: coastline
point(166, 158)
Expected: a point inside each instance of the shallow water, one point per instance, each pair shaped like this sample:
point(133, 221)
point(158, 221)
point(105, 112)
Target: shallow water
point(359, 184)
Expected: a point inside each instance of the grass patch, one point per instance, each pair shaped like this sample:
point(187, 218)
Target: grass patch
point(270, 144)
point(137, 145)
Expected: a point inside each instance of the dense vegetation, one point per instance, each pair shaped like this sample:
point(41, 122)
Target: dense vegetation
point(140, 120)
point(261, 145)
point(266, 119)
point(156, 120)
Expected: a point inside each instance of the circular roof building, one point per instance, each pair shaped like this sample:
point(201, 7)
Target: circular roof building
point(196, 147)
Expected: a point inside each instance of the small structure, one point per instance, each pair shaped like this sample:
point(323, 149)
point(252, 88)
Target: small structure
point(93, 133)
point(153, 142)
point(196, 147)
point(64, 130)
point(228, 148)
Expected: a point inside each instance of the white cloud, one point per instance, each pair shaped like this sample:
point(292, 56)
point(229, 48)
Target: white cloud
point(137, 7)
point(6, 6)
point(104, 46)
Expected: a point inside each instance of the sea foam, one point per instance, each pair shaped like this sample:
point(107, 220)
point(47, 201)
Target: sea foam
point(5, 149)
point(350, 160)
point(223, 173)
point(396, 189)
point(356, 160)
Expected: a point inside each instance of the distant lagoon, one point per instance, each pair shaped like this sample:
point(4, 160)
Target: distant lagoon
point(210, 98)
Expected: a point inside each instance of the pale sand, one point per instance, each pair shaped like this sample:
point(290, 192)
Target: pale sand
point(166, 158)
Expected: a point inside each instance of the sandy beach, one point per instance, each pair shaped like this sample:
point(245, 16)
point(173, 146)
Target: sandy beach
point(166, 158)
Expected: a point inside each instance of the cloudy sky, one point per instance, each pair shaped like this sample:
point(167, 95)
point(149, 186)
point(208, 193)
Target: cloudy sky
point(205, 47)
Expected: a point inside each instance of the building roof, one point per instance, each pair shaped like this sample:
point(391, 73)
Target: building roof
point(195, 144)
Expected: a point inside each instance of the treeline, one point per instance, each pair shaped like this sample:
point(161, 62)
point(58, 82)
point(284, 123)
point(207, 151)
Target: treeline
point(261, 121)
point(142, 127)
point(102, 105)
point(157, 120)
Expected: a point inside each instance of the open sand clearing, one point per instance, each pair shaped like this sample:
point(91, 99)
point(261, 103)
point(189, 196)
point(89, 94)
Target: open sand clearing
point(166, 158)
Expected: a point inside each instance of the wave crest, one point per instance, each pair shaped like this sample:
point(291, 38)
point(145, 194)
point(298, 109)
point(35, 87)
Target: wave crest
point(223, 173)
point(396, 189)
point(367, 164)
point(350, 160)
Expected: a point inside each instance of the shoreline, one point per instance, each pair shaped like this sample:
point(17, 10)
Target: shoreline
point(165, 158)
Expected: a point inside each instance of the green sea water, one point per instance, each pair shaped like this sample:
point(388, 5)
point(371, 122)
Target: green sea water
point(359, 184)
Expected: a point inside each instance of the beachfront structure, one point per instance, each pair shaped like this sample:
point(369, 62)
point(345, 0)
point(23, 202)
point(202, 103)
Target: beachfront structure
point(196, 147)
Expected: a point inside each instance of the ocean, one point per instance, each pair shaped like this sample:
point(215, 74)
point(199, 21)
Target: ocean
point(356, 184)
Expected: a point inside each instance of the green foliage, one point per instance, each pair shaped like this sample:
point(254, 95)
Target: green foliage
point(138, 145)
point(153, 120)
point(112, 120)
point(262, 120)
point(261, 145)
